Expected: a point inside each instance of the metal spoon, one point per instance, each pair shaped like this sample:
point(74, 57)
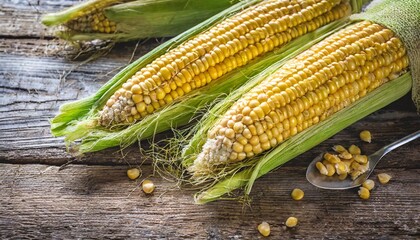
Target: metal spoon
point(333, 183)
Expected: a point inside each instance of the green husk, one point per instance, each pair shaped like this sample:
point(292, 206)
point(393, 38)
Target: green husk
point(141, 18)
point(309, 138)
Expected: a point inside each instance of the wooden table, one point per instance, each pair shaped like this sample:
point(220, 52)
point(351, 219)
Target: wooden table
point(93, 198)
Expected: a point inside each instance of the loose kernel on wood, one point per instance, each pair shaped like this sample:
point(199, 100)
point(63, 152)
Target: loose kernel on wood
point(291, 222)
point(133, 173)
point(384, 178)
point(364, 193)
point(366, 136)
point(148, 186)
point(297, 194)
point(264, 229)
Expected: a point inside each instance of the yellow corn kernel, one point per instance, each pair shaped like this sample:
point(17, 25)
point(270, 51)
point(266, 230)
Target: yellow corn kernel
point(342, 176)
point(148, 186)
point(365, 136)
point(291, 222)
point(345, 155)
point(297, 194)
point(264, 229)
point(368, 184)
point(341, 168)
point(331, 158)
point(330, 169)
point(363, 159)
point(355, 150)
point(133, 173)
point(339, 148)
point(364, 193)
point(355, 173)
point(322, 169)
point(384, 178)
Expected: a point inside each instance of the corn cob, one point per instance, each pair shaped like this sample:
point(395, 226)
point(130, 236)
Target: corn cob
point(93, 18)
point(223, 48)
point(307, 90)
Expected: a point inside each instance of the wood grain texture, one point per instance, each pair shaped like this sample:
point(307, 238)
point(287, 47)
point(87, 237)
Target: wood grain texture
point(92, 201)
point(93, 198)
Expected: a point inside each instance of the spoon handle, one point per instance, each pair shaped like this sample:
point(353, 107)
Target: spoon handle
point(398, 143)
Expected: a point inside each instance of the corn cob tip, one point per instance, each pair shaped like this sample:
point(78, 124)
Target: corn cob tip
point(213, 154)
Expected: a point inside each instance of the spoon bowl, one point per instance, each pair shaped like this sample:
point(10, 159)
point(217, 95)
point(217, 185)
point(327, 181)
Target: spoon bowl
point(334, 183)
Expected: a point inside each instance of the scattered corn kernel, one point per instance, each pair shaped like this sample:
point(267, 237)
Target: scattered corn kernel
point(339, 148)
point(384, 178)
point(291, 222)
point(297, 194)
point(364, 193)
point(322, 169)
point(331, 158)
point(361, 159)
point(355, 150)
point(264, 229)
point(368, 184)
point(133, 173)
point(148, 186)
point(365, 136)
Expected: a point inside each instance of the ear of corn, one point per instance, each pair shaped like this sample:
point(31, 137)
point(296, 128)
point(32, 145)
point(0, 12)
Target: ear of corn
point(308, 139)
point(308, 89)
point(124, 20)
point(145, 89)
point(246, 174)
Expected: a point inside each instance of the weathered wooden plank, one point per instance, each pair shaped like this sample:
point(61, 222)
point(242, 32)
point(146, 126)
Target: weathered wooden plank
point(38, 201)
point(21, 18)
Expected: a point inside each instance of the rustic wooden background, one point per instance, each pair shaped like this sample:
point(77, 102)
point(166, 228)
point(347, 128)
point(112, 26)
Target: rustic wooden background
point(93, 198)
